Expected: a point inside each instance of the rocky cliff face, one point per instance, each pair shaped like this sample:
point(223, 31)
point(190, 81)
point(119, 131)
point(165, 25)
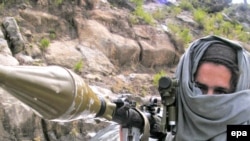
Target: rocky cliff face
point(95, 38)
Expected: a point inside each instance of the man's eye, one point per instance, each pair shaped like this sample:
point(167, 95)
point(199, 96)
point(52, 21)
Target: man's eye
point(221, 92)
point(201, 87)
point(203, 90)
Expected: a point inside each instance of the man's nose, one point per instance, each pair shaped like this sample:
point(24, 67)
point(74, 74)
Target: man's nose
point(210, 91)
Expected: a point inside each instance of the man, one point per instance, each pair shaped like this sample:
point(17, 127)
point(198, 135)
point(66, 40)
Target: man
point(214, 76)
point(217, 71)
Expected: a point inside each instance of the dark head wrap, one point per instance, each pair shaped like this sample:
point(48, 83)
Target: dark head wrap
point(222, 54)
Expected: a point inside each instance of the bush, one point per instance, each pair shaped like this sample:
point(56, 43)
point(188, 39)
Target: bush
point(181, 33)
point(186, 5)
point(159, 14)
point(58, 2)
point(200, 17)
point(139, 11)
point(157, 77)
point(44, 43)
point(144, 15)
point(78, 66)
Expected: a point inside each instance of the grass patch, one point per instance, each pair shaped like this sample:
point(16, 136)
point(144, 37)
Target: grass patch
point(141, 13)
point(44, 43)
point(157, 77)
point(78, 66)
point(181, 33)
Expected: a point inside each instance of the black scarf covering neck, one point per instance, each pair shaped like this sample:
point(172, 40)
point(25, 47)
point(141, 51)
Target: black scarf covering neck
point(202, 117)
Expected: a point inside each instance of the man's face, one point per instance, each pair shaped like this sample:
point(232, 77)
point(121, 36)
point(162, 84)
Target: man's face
point(213, 78)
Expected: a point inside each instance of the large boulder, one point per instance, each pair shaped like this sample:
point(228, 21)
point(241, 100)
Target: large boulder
point(118, 49)
point(13, 35)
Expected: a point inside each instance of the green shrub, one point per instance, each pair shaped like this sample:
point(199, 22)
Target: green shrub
point(141, 13)
point(186, 36)
point(44, 43)
point(176, 11)
point(133, 19)
point(52, 35)
point(159, 14)
point(209, 25)
point(186, 5)
point(157, 76)
point(58, 2)
point(244, 37)
point(226, 28)
point(181, 33)
point(167, 11)
point(216, 25)
point(138, 2)
point(200, 17)
point(78, 66)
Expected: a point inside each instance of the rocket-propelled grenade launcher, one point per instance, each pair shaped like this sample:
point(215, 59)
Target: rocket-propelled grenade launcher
point(55, 93)
point(58, 94)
